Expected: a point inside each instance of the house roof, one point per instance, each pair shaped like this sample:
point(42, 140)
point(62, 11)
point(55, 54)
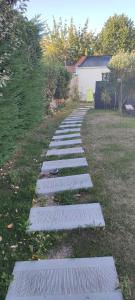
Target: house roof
point(95, 61)
point(81, 61)
point(72, 68)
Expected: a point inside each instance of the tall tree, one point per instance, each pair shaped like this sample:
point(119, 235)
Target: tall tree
point(122, 66)
point(9, 34)
point(118, 33)
point(67, 42)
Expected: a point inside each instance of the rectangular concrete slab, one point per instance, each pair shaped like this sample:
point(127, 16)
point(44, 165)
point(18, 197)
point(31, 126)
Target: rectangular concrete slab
point(66, 151)
point(117, 295)
point(71, 122)
point(65, 143)
point(64, 164)
point(83, 108)
point(66, 136)
point(79, 113)
point(61, 131)
point(69, 125)
point(77, 116)
point(64, 279)
point(47, 186)
point(65, 217)
point(74, 119)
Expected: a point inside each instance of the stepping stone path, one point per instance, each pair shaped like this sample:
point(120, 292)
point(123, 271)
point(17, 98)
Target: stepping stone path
point(65, 279)
point(63, 163)
point(65, 151)
point(47, 186)
point(65, 217)
point(65, 143)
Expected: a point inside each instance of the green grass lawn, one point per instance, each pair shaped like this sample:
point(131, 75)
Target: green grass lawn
point(109, 142)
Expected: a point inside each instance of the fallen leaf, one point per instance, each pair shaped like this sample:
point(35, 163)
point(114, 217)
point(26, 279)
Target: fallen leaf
point(13, 246)
point(10, 226)
point(34, 257)
point(0, 238)
point(77, 195)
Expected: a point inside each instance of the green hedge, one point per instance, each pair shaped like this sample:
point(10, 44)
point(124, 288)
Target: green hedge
point(21, 107)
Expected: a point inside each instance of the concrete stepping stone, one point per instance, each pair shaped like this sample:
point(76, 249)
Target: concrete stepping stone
point(69, 125)
point(66, 151)
point(82, 108)
point(74, 119)
point(82, 111)
point(71, 122)
point(78, 113)
point(61, 131)
point(65, 143)
point(66, 136)
point(65, 279)
point(77, 116)
point(65, 217)
point(64, 164)
point(47, 186)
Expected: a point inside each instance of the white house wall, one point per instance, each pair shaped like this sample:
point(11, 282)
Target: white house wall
point(87, 78)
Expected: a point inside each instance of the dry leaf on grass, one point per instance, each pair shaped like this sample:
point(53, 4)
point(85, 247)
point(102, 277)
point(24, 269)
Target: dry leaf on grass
point(10, 226)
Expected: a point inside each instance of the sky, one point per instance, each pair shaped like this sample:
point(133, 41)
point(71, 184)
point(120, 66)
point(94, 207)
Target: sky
point(97, 11)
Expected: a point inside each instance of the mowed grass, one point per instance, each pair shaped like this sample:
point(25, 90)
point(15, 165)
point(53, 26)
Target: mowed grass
point(17, 190)
point(109, 142)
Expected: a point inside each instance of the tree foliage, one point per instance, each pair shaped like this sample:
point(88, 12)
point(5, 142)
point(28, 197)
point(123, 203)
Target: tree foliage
point(10, 34)
point(118, 33)
point(67, 42)
point(122, 66)
point(56, 81)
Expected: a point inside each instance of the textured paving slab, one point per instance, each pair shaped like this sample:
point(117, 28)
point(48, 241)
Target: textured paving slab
point(83, 111)
point(74, 117)
point(66, 136)
point(71, 122)
point(59, 184)
point(61, 131)
point(69, 125)
point(89, 296)
point(63, 279)
point(65, 143)
point(77, 116)
point(66, 151)
point(78, 113)
point(65, 217)
point(83, 108)
point(64, 163)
